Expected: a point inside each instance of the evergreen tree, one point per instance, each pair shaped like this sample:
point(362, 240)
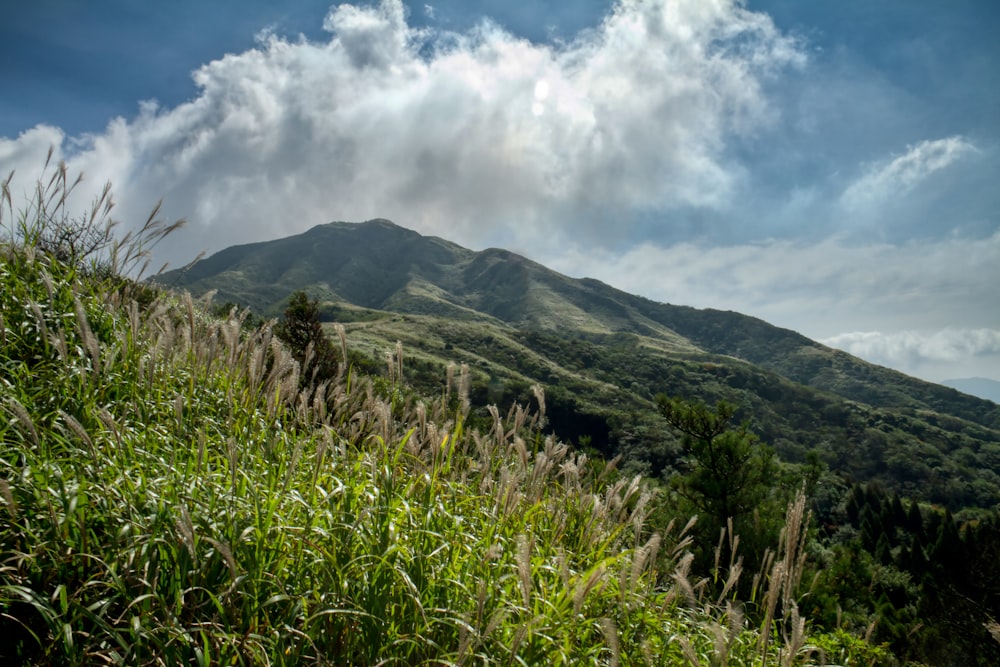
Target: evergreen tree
point(915, 520)
point(730, 472)
point(302, 332)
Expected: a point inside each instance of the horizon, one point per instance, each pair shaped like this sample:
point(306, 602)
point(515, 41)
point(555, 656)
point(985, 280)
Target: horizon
point(830, 170)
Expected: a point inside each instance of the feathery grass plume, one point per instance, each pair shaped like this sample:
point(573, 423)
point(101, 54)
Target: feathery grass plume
point(342, 335)
point(46, 279)
point(794, 640)
point(464, 387)
point(586, 585)
point(611, 639)
point(539, 393)
point(8, 497)
point(233, 453)
point(688, 651)
point(681, 576)
point(524, 547)
point(179, 410)
point(720, 645)
point(499, 435)
point(110, 423)
point(226, 552)
point(87, 336)
point(185, 529)
point(993, 628)
point(523, 457)
point(449, 380)
point(399, 361)
point(43, 329)
point(643, 559)
point(58, 341)
point(78, 430)
point(27, 424)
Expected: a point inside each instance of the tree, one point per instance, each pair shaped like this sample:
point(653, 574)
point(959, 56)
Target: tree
point(302, 332)
point(730, 472)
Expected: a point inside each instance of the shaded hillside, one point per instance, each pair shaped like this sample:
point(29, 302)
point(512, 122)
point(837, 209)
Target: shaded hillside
point(604, 354)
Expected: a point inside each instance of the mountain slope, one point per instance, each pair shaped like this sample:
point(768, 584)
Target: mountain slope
point(603, 354)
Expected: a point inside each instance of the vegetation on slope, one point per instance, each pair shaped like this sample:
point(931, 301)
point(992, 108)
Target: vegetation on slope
point(173, 493)
point(603, 355)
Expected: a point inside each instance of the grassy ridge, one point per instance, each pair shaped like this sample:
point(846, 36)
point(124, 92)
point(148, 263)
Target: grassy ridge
point(603, 354)
point(171, 494)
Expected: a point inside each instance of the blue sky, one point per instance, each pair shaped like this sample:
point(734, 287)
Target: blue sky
point(828, 166)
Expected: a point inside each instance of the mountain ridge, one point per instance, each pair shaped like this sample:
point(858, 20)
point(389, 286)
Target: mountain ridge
point(515, 323)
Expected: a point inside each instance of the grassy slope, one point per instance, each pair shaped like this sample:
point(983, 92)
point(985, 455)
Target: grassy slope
point(170, 495)
point(603, 354)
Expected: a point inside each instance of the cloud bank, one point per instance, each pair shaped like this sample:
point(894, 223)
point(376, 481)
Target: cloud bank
point(934, 354)
point(483, 137)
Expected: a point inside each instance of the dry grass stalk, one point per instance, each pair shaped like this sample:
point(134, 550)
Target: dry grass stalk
point(524, 547)
point(611, 638)
point(24, 419)
point(8, 497)
point(77, 429)
point(688, 651)
point(993, 628)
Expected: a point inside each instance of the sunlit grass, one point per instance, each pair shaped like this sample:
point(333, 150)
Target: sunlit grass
point(171, 496)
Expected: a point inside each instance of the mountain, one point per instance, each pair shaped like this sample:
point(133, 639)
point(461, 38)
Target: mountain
point(603, 354)
point(981, 387)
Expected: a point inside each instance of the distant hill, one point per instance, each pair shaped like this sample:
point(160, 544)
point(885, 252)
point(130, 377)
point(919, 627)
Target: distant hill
point(603, 354)
point(981, 387)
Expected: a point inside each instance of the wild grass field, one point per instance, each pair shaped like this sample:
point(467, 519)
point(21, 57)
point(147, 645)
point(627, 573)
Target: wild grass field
point(173, 492)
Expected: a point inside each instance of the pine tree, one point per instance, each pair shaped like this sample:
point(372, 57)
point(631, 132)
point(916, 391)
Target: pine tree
point(730, 471)
point(302, 332)
point(915, 520)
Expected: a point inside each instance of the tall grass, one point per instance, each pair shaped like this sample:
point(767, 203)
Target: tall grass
point(170, 495)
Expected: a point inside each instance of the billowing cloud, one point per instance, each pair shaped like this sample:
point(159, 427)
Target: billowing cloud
point(897, 177)
point(482, 137)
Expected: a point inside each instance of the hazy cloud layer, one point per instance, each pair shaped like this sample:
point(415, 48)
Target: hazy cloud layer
point(970, 351)
point(826, 288)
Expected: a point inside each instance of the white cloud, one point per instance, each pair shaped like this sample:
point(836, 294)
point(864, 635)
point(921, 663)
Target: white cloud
point(821, 288)
point(825, 288)
point(907, 347)
point(888, 180)
point(26, 154)
point(937, 356)
point(458, 143)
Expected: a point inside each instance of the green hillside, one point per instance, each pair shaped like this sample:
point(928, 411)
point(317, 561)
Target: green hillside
point(173, 492)
point(603, 355)
point(181, 485)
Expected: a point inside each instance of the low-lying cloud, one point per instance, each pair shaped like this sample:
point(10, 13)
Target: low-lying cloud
point(912, 346)
point(937, 355)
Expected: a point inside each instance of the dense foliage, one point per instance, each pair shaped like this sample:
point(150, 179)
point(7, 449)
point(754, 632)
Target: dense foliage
point(171, 492)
